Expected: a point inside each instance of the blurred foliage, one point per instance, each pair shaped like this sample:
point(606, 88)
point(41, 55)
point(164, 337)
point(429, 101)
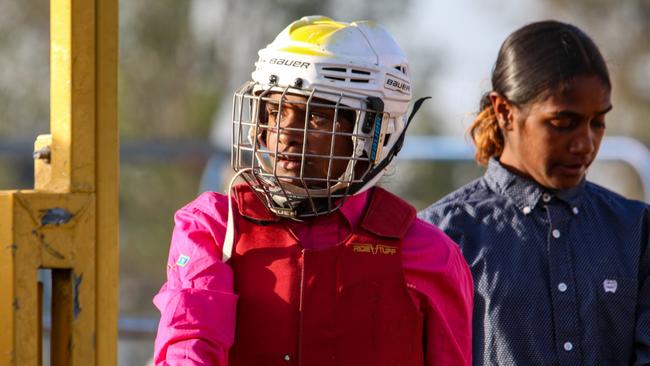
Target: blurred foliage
point(24, 62)
point(21, 174)
point(165, 91)
point(150, 194)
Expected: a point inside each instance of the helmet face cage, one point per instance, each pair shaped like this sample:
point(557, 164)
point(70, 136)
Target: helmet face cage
point(301, 195)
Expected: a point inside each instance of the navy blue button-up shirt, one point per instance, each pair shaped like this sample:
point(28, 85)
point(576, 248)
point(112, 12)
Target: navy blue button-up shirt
point(561, 277)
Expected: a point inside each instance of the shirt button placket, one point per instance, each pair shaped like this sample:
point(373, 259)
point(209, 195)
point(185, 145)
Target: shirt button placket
point(561, 276)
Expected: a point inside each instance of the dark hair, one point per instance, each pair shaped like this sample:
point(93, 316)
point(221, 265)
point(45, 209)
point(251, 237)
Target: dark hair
point(533, 62)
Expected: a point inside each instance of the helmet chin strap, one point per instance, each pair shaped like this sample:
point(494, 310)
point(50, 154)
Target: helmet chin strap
point(398, 144)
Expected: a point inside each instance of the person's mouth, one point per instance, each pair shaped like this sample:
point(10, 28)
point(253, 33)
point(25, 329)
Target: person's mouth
point(573, 168)
point(289, 161)
point(287, 164)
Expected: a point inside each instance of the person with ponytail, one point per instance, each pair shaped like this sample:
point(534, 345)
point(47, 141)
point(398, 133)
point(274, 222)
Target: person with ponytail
point(561, 266)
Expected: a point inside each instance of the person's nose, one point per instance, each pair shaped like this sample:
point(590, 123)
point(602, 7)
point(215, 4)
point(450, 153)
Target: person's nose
point(584, 141)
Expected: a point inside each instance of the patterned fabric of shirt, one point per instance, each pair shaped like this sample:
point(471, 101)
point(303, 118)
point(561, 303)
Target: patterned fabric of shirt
point(561, 277)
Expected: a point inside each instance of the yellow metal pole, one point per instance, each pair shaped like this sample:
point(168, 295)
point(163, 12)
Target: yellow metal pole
point(7, 280)
point(69, 222)
point(72, 97)
point(107, 193)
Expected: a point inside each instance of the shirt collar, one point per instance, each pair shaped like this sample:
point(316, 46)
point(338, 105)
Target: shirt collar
point(525, 192)
point(573, 196)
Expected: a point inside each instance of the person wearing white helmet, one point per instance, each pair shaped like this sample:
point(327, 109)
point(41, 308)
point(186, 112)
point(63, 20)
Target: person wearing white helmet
point(309, 263)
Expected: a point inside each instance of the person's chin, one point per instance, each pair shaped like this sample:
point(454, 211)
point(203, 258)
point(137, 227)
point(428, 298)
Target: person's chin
point(565, 181)
point(576, 171)
point(289, 177)
point(568, 176)
point(293, 178)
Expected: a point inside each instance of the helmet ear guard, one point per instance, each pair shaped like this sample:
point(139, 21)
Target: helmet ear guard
point(395, 149)
point(358, 71)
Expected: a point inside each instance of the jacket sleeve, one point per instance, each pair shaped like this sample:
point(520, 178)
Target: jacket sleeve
point(197, 303)
point(441, 286)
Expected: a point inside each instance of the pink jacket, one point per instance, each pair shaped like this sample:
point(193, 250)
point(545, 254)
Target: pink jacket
point(198, 305)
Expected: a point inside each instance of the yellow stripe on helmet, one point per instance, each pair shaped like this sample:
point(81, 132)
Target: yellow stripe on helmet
point(309, 51)
point(310, 34)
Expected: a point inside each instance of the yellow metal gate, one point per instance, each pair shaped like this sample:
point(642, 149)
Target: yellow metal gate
point(69, 222)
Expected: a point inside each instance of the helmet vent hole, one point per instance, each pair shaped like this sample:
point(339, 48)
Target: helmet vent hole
point(386, 139)
point(334, 78)
point(335, 69)
point(350, 75)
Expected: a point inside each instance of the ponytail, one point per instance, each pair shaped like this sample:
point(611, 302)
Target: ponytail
point(485, 133)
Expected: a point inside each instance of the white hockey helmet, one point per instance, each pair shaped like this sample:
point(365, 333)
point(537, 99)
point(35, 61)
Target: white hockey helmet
point(354, 66)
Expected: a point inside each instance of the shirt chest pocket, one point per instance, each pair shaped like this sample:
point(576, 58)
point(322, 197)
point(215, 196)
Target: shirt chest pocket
point(617, 299)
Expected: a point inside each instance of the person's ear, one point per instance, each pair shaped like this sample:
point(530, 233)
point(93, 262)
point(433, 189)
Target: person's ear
point(503, 110)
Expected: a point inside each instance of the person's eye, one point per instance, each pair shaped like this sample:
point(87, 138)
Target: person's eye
point(562, 123)
point(271, 114)
point(319, 119)
point(598, 123)
point(271, 108)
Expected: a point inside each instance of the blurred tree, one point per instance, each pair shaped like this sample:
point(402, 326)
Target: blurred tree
point(24, 68)
point(165, 90)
